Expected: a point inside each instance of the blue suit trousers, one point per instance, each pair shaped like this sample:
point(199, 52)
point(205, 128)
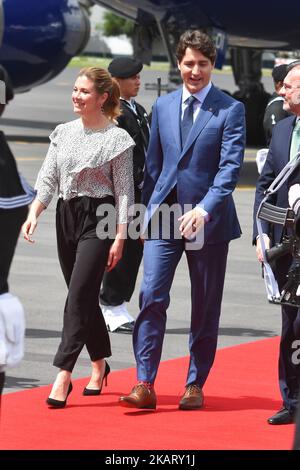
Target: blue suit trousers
point(207, 272)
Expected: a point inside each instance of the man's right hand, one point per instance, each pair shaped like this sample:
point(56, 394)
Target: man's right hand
point(258, 247)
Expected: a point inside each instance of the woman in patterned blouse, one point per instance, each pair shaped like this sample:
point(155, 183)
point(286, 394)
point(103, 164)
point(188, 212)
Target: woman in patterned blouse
point(89, 161)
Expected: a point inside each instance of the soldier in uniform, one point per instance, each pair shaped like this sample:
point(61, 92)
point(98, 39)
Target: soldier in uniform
point(274, 110)
point(118, 285)
point(15, 196)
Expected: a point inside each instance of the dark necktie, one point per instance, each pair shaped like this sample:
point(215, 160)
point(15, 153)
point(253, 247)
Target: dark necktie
point(187, 120)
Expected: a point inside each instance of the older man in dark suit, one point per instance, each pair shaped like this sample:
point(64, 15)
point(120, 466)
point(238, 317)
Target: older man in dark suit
point(283, 147)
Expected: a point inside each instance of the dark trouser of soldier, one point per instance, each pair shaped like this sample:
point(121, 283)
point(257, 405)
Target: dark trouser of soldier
point(2, 377)
point(11, 221)
point(122, 276)
point(296, 445)
point(118, 285)
point(289, 372)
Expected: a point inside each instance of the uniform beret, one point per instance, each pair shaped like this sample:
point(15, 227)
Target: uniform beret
point(124, 67)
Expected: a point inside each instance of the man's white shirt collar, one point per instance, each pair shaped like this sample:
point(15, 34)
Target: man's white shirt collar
point(200, 95)
point(131, 103)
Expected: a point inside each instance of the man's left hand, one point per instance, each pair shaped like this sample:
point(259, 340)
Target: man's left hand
point(191, 223)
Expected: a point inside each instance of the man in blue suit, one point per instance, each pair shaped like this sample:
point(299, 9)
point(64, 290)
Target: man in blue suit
point(192, 166)
point(283, 146)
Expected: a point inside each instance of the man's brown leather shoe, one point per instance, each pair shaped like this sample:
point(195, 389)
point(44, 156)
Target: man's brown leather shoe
point(192, 398)
point(141, 396)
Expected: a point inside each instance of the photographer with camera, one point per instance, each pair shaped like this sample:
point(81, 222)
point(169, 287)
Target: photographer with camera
point(283, 147)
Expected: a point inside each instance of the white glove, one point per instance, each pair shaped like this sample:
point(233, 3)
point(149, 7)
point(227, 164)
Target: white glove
point(294, 197)
point(12, 330)
point(261, 157)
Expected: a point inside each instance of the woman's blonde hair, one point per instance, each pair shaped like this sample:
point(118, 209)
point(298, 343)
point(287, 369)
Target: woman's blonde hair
point(105, 83)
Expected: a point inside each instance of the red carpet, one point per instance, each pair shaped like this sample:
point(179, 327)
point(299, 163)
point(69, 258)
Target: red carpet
point(240, 394)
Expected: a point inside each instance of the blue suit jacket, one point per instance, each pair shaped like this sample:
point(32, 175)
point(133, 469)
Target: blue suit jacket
point(206, 170)
point(278, 157)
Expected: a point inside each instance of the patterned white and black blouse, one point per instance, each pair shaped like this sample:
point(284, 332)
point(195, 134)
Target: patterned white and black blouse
point(87, 162)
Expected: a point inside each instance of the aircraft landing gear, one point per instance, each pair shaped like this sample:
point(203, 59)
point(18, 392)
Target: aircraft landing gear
point(246, 66)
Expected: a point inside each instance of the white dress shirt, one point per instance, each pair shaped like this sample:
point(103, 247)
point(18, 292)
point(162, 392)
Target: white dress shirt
point(200, 97)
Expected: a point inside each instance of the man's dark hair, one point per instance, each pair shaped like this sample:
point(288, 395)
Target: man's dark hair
point(279, 73)
point(196, 40)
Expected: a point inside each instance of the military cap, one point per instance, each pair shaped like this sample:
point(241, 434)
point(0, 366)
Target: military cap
point(279, 72)
point(124, 67)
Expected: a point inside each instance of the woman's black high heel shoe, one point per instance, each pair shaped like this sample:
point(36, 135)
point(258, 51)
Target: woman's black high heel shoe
point(97, 391)
point(59, 403)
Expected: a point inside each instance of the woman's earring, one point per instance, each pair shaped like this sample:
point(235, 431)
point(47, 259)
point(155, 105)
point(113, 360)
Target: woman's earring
point(102, 110)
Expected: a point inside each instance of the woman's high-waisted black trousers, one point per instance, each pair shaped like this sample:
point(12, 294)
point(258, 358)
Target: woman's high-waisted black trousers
point(83, 258)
